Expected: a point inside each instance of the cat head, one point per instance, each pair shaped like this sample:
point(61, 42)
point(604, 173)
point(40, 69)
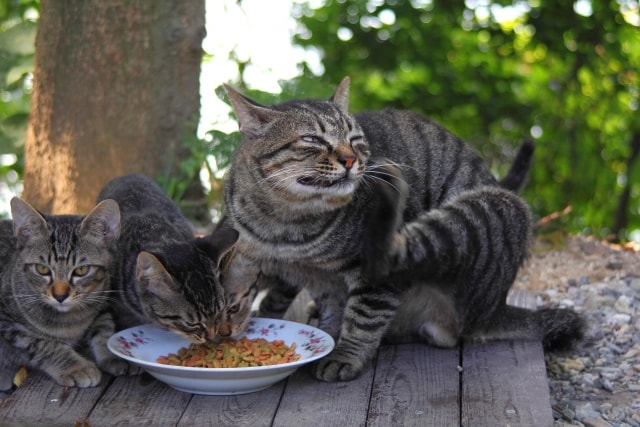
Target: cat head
point(237, 311)
point(310, 154)
point(179, 285)
point(65, 257)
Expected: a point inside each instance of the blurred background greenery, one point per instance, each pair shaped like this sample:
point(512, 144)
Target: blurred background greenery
point(564, 74)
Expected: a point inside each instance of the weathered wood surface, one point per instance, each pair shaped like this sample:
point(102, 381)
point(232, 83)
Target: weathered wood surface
point(478, 384)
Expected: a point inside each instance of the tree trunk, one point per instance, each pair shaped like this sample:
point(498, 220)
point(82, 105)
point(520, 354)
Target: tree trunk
point(116, 90)
point(622, 212)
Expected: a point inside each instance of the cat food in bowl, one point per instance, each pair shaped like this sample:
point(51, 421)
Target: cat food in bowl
point(145, 345)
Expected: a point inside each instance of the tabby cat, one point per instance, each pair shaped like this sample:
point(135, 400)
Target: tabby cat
point(302, 192)
point(55, 294)
point(166, 275)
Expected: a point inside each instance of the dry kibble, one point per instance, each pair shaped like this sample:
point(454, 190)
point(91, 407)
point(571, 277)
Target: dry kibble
point(233, 353)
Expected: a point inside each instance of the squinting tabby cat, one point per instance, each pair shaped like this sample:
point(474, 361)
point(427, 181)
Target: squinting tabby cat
point(166, 275)
point(300, 193)
point(55, 294)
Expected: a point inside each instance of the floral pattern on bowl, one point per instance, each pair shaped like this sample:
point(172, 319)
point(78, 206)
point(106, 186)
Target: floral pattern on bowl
point(142, 345)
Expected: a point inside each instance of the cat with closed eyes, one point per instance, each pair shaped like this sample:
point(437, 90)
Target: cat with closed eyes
point(301, 190)
point(166, 275)
point(55, 294)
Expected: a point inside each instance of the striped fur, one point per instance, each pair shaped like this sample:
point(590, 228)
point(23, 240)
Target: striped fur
point(163, 273)
point(302, 192)
point(55, 294)
point(458, 262)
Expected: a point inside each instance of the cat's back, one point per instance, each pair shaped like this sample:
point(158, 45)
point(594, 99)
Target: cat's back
point(150, 218)
point(403, 135)
point(7, 242)
point(137, 193)
point(436, 162)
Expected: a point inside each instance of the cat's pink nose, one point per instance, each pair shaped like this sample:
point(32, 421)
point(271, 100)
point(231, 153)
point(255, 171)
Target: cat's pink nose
point(224, 330)
point(347, 160)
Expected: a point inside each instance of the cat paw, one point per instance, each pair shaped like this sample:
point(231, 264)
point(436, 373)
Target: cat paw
point(119, 367)
point(83, 376)
point(336, 367)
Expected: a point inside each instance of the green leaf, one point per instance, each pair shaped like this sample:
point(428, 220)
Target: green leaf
point(19, 69)
point(19, 39)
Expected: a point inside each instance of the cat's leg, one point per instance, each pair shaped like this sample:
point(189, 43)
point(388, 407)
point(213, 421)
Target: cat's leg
point(101, 329)
point(384, 217)
point(9, 365)
point(329, 305)
point(279, 296)
point(59, 360)
point(428, 314)
point(54, 357)
point(367, 315)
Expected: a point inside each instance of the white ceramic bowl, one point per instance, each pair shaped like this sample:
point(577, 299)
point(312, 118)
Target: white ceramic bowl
point(142, 345)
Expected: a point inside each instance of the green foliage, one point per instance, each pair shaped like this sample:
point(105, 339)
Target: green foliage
point(17, 48)
point(495, 72)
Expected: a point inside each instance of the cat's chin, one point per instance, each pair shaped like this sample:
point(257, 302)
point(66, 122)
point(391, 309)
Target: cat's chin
point(61, 308)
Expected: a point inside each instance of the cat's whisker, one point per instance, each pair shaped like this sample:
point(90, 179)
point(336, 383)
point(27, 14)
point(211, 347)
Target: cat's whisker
point(373, 177)
point(402, 166)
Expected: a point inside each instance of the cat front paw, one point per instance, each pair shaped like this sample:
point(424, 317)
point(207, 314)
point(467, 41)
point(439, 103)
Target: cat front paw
point(337, 367)
point(84, 375)
point(119, 367)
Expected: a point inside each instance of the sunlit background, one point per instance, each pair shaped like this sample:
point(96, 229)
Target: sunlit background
point(499, 73)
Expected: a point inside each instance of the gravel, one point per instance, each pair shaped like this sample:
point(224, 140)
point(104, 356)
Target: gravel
point(598, 383)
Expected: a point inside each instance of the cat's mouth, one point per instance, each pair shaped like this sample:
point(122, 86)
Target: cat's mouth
point(320, 182)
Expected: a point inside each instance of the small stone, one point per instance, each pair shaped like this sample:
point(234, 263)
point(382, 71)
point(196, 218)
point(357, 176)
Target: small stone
point(607, 385)
point(589, 379)
point(595, 422)
point(572, 365)
point(568, 414)
point(620, 319)
point(566, 303)
point(605, 407)
point(623, 305)
point(585, 410)
point(635, 285)
point(616, 414)
point(616, 349)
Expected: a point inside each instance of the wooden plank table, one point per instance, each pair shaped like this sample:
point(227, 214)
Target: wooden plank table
point(500, 383)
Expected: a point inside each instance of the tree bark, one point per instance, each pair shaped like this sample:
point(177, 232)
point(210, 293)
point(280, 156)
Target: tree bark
point(622, 212)
point(116, 90)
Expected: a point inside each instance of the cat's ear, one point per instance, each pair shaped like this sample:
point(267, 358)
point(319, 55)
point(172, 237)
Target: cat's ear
point(152, 277)
point(341, 95)
point(217, 244)
point(27, 222)
point(102, 225)
point(251, 116)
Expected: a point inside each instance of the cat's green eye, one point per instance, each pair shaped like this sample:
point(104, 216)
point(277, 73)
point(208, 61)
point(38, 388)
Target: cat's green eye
point(81, 271)
point(43, 269)
point(233, 309)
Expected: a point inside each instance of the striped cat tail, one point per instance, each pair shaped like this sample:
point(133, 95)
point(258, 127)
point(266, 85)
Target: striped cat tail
point(563, 328)
point(518, 173)
point(557, 328)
